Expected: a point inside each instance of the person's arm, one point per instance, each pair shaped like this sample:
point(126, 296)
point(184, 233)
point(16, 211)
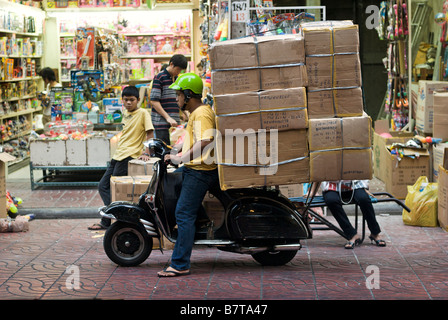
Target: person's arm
point(197, 148)
point(145, 156)
point(158, 107)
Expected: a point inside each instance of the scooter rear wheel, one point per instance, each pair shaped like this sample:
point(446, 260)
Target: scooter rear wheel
point(274, 258)
point(127, 244)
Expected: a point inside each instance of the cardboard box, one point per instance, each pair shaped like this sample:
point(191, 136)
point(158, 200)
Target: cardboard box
point(271, 109)
point(327, 37)
point(4, 159)
point(127, 188)
point(254, 161)
point(101, 149)
point(405, 171)
point(262, 78)
point(440, 123)
point(141, 168)
point(382, 137)
point(439, 157)
point(48, 153)
point(340, 148)
point(257, 51)
point(425, 104)
point(324, 103)
point(292, 190)
point(442, 206)
point(333, 69)
point(75, 151)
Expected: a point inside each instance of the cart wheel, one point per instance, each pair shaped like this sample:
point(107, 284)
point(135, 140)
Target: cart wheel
point(274, 258)
point(127, 244)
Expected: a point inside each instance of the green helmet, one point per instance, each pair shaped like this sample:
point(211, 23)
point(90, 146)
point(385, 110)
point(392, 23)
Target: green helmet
point(188, 81)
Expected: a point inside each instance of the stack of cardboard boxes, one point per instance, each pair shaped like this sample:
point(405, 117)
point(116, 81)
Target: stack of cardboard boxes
point(256, 88)
point(339, 132)
point(260, 103)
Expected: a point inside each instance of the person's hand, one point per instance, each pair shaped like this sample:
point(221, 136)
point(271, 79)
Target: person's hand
point(174, 159)
point(144, 157)
point(172, 122)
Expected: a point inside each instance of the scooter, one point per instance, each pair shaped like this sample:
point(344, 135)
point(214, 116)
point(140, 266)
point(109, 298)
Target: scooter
point(256, 221)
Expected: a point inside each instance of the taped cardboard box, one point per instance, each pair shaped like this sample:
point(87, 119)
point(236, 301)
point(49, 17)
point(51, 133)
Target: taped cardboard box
point(128, 188)
point(333, 69)
point(262, 78)
point(442, 206)
point(382, 137)
point(138, 167)
point(327, 37)
point(340, 148)
point(440, 125)
point(271, 109)
point(404, 171)
point(439, 157)
point(324, 103)
point(257, 51)
point(255, 161)
point(425, 104)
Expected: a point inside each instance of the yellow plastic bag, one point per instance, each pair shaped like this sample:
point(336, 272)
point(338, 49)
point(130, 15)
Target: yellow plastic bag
point(422, 200)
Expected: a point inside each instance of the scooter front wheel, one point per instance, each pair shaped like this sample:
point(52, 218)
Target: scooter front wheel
point(274, 258)
point(127, 244)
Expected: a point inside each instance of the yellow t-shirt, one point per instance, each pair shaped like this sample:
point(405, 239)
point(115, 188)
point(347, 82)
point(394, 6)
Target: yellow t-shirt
point(201, 126)
point(135, 125)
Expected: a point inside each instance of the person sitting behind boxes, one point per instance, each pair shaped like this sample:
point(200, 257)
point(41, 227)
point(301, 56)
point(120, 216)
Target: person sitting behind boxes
point(137, 128)
point(199, 174)
point(336, 193)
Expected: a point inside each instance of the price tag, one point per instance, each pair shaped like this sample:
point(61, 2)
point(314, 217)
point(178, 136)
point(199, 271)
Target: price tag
point(240, 11)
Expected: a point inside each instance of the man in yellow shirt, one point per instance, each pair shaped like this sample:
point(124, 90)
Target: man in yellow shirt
point(137, 127)
point(199, 171)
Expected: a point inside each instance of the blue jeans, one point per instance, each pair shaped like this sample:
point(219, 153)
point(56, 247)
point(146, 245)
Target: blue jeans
point(195, 184)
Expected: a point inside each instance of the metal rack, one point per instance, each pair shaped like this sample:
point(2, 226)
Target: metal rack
point(54, 176)
point(239, 29)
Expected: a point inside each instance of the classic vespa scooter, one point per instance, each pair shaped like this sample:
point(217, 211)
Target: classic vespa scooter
point(256, 221)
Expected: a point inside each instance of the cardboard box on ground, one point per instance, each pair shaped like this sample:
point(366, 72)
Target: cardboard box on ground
point(442, 209)
point(439, 157)
point(4, 159)
point(382, 137)
point(440, 125)
point(425, 105)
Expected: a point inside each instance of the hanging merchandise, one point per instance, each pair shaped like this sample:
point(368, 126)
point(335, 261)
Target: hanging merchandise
point(393, 27)
point(441, 19)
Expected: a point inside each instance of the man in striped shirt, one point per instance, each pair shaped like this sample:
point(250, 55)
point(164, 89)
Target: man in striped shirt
point(165, 111)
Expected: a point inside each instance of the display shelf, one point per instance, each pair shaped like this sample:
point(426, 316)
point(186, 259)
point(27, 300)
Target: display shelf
point(20, 113)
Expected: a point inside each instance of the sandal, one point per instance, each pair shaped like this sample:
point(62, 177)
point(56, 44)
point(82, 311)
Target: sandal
point(352, 244)
point(97, 226)
point(172, 273)
point(378, 242)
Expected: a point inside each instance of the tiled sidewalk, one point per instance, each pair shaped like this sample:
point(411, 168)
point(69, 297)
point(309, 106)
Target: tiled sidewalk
point(414, 265)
